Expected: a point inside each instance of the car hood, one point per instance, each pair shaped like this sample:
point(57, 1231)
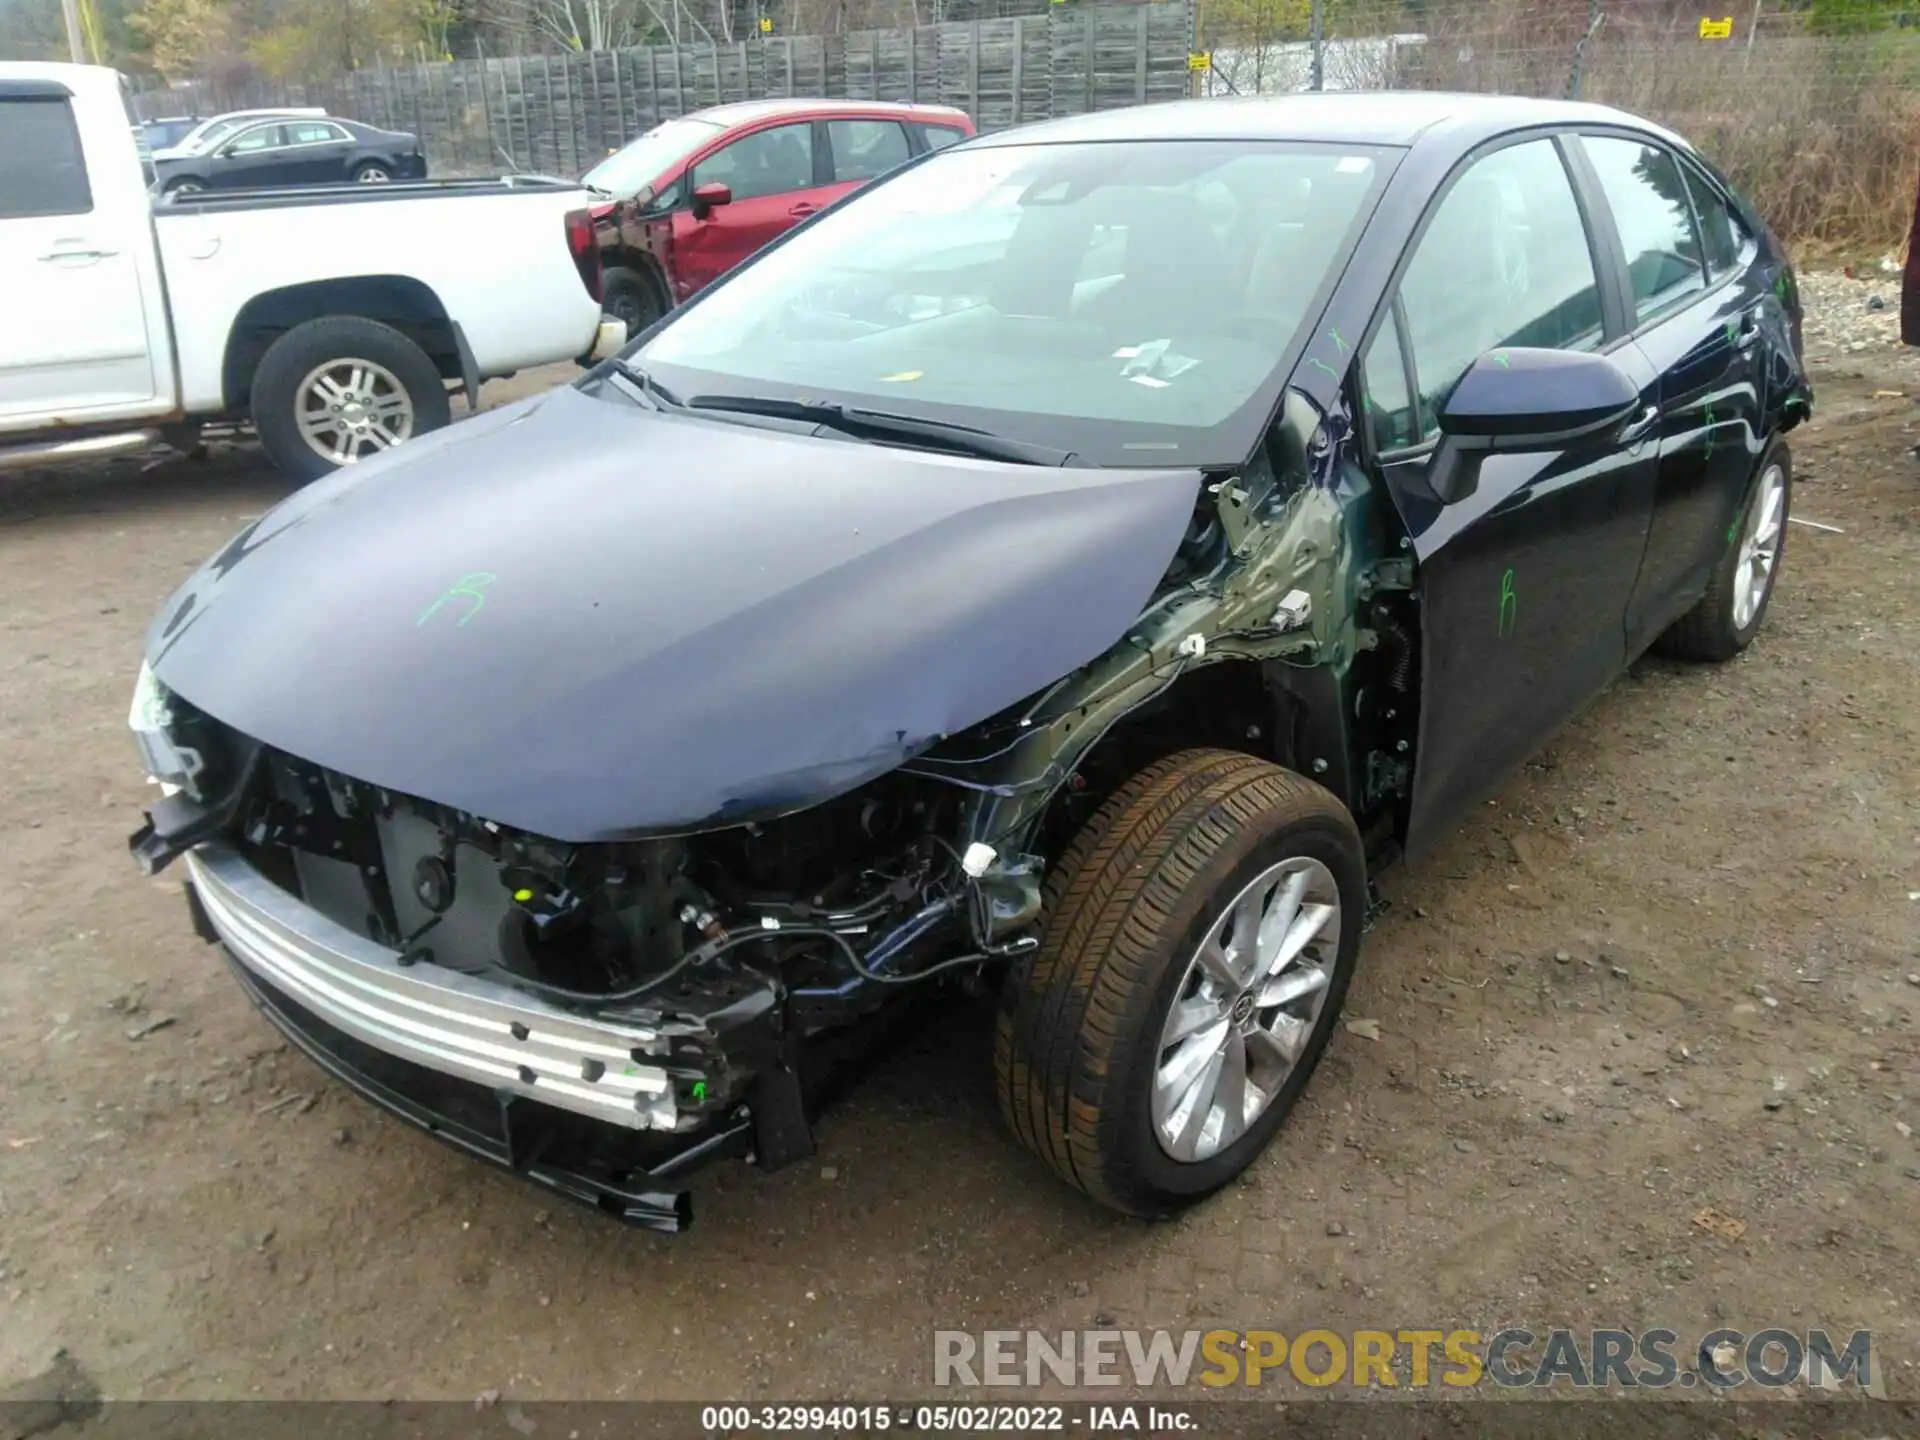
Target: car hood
point(590, 621)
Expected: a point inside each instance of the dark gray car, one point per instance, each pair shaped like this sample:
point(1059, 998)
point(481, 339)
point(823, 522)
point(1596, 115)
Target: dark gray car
point(295, 150)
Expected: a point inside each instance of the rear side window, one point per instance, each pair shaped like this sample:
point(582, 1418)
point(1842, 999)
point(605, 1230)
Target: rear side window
point(42, 169)
point(938, 137)
point(1648, 197)
point(314, 132)
point(864, 149)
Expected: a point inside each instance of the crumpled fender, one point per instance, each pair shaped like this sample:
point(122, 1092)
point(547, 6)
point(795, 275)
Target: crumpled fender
point(590, 621)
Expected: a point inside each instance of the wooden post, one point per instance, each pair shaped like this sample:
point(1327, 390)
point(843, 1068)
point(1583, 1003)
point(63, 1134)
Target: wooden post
point(1086, 17)
point(1019, 66)
point(1140, 55)
point(973, 72)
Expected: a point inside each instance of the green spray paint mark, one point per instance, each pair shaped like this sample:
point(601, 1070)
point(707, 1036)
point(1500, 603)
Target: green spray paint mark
point(1730, 529)
point(1707, 419)
point(1338, 343)
point(699, 1091)
point(1500, 359)
point(1733, 332)
point(1780, 285)
point(468, 587)
point(1313, 360)
point(1509, 605)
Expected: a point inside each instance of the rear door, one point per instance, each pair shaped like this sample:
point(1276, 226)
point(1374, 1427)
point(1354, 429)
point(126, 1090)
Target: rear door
point(74, 341)
point(1696, 315)
point(772, 174)
point(859, 151)
point(1525, 582)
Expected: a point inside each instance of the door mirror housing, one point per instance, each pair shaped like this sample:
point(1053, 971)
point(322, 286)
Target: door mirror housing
point(1518, 400)
point(709, 197)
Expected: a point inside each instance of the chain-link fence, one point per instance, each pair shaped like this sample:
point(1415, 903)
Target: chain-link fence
point(1821, 129)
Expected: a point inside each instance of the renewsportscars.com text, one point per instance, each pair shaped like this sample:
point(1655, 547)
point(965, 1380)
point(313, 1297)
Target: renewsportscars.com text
point(1415, 1358)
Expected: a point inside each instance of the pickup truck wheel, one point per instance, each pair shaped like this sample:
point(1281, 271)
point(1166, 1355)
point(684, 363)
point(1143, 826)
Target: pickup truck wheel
point(1729, 615)
point(631, 298)
point(1200, 935)
point(335, 390)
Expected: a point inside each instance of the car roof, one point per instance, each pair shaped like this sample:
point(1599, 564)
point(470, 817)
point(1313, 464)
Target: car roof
point(1377, 117)
point(740, 112)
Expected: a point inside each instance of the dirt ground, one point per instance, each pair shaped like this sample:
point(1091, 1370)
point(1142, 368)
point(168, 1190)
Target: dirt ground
point(1674, 965)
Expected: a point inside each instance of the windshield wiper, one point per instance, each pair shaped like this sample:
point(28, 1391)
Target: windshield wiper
point(884, 425)
point(664, 398)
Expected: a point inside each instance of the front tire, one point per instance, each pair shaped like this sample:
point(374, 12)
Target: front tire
point(1201, 933)
point(1730, 614)
point(337, 390)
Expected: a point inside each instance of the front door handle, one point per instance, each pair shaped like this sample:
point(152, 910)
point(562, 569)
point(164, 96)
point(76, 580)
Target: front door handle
point(803, 209)
point(1641, 426)
point(77, 251)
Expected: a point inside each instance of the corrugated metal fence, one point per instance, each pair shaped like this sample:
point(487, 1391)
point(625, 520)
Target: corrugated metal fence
point(561, 113)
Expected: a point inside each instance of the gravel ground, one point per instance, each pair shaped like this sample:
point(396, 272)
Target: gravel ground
point(1672, 966)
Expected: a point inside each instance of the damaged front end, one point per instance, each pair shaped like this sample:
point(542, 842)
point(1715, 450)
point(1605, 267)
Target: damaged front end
point(602, 1017)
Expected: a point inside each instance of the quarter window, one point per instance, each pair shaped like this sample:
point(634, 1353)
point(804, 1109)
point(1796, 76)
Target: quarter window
point(938, 137)
point(1504, 261)
point(1721, 235)
point(42, 169)
point(1648, 199)
point(864, 149)
point(767, 162)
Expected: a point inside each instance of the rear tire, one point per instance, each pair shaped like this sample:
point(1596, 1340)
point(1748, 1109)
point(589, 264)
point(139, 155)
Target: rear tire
point(372, 173)
point(284, 386)
point(1730, 614)
point(1083, 1047)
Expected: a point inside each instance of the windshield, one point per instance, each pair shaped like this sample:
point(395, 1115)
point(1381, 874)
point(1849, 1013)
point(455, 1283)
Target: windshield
point(211, 132)
point(1130, 302)
point(641, 162)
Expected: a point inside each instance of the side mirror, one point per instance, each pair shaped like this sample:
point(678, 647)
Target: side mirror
point(1519, 400)
point(709, 197)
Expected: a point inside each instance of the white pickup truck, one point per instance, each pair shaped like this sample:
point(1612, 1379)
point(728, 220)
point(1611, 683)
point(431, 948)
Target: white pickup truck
point(338, 320)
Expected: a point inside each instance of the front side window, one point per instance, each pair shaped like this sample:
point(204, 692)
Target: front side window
point(865, 149)
point(1648, 199)
point(263, 137)
point(1504, 261)
point(42, 168)
point(1073, 295)
point(767, 162)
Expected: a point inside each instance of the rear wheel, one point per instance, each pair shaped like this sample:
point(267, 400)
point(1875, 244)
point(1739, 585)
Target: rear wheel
point(372, 173)
point(1729, 615)
point(334, 391)
point(1201, 933)
point(184, 187)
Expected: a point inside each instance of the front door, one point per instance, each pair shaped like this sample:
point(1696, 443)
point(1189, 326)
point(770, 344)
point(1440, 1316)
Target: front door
point(1697, 313)
point(1523, 583)
point(770, 174)
point(75, 341)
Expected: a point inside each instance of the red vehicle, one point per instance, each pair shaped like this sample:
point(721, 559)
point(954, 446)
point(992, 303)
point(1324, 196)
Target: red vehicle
point(695, 196)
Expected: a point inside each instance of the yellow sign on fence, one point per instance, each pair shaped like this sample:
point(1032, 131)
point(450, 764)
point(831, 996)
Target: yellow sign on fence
point(1201, 61)
point(1716, 29)
point(766, 25)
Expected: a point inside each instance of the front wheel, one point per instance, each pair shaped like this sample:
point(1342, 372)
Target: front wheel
point(1201, 932)
point(1729, 615)
point(185, 187)
point(337, 390)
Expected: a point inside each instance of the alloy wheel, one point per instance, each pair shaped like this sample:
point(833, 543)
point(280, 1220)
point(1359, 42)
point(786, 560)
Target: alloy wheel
point(1249, 1002)
point(1759, 546)
point(348, 409)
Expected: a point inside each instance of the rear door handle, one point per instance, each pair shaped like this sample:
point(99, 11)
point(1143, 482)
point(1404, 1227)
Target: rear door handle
point(1748, 331)
point(803, 209)
point(1641, 426)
